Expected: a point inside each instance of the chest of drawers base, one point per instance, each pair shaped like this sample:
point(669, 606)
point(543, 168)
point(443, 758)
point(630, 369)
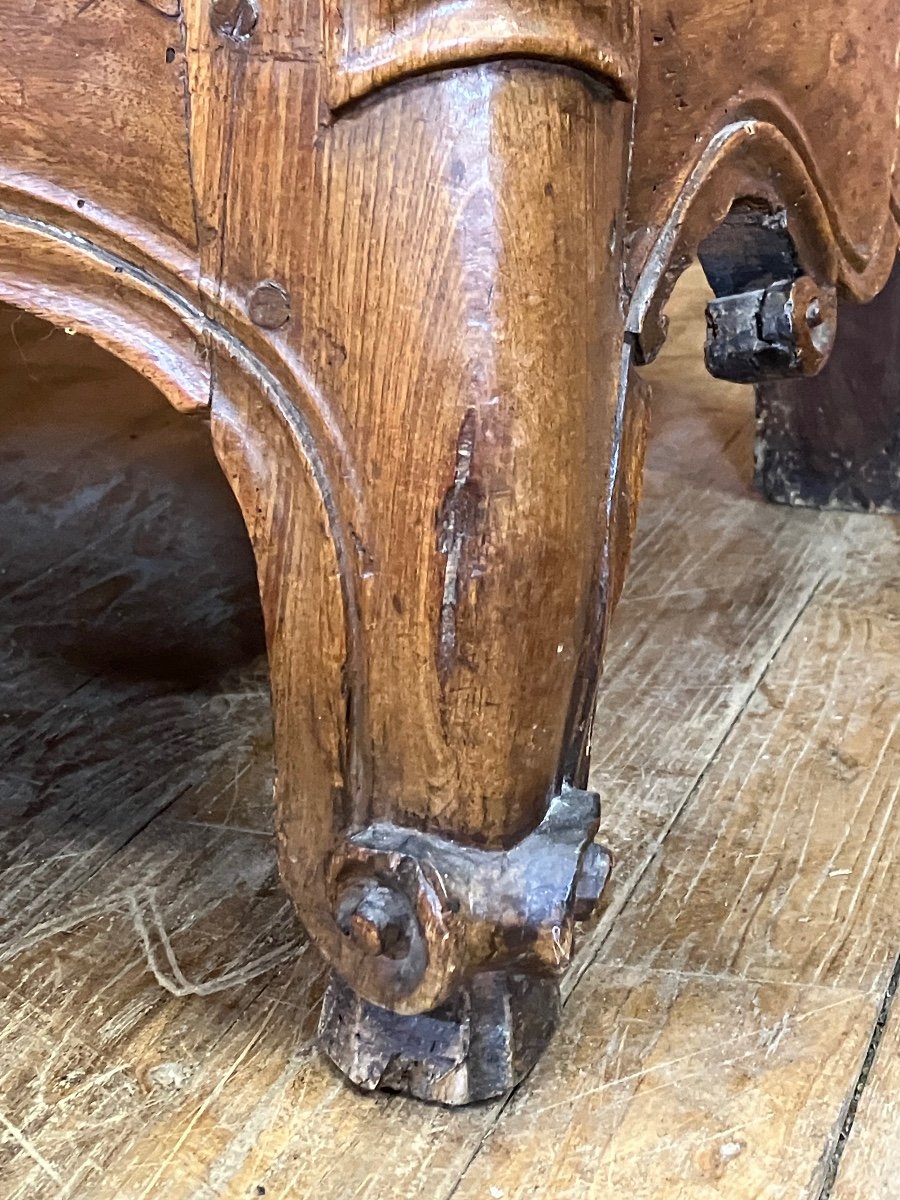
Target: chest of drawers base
point(408, 260)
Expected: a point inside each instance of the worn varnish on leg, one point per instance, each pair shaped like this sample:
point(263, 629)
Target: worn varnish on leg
point(447, 667)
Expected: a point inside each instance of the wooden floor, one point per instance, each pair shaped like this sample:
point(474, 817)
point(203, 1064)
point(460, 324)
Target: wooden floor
point(727, 1031)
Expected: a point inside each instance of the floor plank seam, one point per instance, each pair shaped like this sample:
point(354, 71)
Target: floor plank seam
point(881, 1020)
point(501, 1108)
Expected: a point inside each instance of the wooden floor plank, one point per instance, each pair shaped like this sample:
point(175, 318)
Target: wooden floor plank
point(115, 1005)
point(97, 479)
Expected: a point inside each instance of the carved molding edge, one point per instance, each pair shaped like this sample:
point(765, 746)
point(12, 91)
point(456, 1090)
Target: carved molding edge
point(750, 159)
point(366, 50)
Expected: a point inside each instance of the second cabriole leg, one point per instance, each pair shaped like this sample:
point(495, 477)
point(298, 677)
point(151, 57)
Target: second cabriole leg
point(834, 441)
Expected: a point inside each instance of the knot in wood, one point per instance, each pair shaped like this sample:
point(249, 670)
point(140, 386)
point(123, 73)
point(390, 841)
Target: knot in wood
point(235, 19)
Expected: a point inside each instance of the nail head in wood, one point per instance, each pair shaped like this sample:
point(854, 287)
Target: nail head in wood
point(270, 306)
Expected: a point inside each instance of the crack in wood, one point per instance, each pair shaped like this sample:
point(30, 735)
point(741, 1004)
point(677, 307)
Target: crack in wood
point(459, 524)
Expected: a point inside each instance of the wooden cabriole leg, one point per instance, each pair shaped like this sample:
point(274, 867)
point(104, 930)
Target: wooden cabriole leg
point(834, 441)
point(441, 534)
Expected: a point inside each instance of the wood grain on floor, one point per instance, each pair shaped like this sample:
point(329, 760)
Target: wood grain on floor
point(728, 1030)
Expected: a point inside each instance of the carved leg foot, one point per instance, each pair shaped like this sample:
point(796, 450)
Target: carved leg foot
point(834, 441)
point(489, 1034)
point(479, 1044)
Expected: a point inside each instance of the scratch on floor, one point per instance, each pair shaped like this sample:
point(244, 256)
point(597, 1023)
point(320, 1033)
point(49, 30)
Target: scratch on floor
point(63, 924)
point(30, 1149)
point(142, 906)
point(206, 1104)
point(151, 931)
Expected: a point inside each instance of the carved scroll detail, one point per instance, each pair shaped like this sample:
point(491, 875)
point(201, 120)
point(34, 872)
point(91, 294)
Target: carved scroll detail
point(755, 159)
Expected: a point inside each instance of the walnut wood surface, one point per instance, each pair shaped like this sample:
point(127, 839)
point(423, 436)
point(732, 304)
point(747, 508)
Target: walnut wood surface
point(406, 254)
